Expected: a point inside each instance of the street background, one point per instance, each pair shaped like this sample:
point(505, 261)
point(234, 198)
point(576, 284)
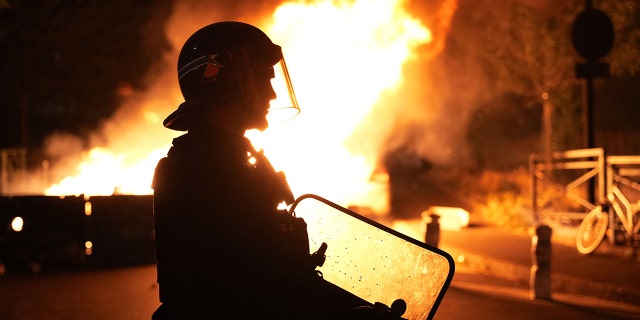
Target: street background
point(602, 286)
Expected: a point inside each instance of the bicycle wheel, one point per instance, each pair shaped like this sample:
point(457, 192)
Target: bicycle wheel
point(591, 231)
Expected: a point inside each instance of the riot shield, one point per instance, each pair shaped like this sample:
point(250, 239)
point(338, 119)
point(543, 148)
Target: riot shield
point(374, 262)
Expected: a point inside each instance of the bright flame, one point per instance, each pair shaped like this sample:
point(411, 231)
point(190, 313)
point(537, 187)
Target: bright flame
point(342, 57)
point(106, 173)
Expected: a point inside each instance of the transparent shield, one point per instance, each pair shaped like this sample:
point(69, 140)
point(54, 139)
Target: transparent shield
point(374, 262)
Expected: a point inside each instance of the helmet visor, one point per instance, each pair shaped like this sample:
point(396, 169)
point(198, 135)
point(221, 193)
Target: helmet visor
point(263, 78)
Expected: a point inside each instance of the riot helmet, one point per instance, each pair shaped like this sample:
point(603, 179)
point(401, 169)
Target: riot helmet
point(228, 62)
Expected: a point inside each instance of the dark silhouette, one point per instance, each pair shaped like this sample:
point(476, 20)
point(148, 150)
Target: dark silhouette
point(223, 247)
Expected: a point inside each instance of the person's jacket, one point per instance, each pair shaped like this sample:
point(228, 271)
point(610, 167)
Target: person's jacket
point(216, 222)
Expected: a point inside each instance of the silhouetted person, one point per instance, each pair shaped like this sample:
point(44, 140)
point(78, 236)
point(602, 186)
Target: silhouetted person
point(223, 247)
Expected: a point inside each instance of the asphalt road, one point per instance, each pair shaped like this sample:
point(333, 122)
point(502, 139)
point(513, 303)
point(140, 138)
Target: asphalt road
point(131, 293)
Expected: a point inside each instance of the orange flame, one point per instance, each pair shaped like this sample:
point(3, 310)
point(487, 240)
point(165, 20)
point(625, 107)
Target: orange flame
point(342, 56)
point(339, 71)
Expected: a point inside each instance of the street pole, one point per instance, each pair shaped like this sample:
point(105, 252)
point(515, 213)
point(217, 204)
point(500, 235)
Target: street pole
point(588, 135)
point(592, 36)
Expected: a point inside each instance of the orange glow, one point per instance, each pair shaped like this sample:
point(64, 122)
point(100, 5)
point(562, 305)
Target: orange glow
point(87, 208)
point(107, 173)
point(88, 248)
point(342, 57)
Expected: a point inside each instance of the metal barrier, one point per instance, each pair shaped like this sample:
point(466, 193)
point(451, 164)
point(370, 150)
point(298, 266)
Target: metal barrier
point(593, 171)
point(621, 170)
point(588, 164)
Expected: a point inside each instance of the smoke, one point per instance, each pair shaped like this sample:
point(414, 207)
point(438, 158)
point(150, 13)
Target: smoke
point(189, 16)
point(449, 81)
point(140, 117)
point(424, 118)
point(419, 121)
point(135, 129)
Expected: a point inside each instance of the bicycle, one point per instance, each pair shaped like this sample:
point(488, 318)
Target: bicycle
point(615, 217)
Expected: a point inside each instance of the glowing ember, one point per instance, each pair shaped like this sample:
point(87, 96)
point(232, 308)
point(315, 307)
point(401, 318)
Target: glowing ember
point(342, 56)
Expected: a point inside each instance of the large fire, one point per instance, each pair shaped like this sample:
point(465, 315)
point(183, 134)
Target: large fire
point(342, 57)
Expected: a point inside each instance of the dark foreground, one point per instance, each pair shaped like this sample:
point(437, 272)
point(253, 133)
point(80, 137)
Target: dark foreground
point(131, 293)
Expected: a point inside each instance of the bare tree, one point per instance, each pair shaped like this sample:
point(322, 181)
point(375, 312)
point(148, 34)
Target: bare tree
point(529, 53)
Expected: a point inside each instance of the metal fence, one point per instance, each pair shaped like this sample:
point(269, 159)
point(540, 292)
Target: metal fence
point(583, 178)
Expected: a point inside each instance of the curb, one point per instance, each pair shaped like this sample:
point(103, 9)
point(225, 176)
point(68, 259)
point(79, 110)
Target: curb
point(561, 284)
point(609, 308)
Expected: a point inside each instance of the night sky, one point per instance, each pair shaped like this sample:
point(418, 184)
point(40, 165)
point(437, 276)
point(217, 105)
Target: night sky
point(66, 64)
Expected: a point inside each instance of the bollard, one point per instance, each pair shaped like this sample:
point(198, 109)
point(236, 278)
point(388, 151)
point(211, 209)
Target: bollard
point(540, 281)
point(432, 235)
